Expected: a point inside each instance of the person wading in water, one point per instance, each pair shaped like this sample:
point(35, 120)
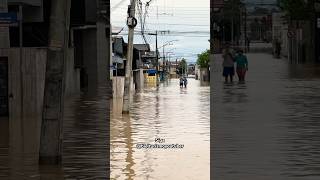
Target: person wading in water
point(242, 65)
point(181, 81)
point(228, 64)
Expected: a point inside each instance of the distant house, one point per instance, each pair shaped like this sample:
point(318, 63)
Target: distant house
point(191, 69)
point(173, 68)
point(149, 60)
point(119, 51)
point(140, 52)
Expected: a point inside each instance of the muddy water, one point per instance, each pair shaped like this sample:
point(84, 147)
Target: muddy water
point(267, 128)
point(176, 115)
point(85, 145)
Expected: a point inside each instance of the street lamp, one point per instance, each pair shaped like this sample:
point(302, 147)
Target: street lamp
point(168, 43)
point(163, 54)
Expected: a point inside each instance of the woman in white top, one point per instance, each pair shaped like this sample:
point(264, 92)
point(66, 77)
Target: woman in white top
point(228, 64)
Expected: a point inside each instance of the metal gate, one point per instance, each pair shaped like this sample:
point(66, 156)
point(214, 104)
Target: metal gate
point(4, 105)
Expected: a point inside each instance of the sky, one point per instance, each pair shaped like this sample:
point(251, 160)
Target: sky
point(188, 23)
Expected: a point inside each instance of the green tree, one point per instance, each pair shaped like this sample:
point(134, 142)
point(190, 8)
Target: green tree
point(182, 66)
point(231, 18)
point(296, 9)
point(232, 10)
point(203, 59)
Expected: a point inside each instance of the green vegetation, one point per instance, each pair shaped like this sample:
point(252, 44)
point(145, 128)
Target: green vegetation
point(296, 9)
point(182, 66)
point(232, 10)
point(203, 59)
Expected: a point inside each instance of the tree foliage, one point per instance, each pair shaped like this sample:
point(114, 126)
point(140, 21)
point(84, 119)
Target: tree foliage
point(295, 9)
point(203, 59)
point(232, 9)
point(182, 66)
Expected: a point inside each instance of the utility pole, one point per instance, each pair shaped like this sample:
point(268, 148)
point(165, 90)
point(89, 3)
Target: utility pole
point(53, 105)
point(163, 60)
point(4, 31)
point(131, 22)
point(157, 56)
point(211, 25)
point(232, 24)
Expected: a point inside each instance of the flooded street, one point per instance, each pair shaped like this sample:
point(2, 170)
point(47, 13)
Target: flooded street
point(267, 128)
point(177, 115)
point(85, 145)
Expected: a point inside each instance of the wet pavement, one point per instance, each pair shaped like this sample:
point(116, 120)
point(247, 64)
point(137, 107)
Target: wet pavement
point(177, 115)
point(268, 127)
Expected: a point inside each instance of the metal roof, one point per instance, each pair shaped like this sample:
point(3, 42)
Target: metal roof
point(142, 47)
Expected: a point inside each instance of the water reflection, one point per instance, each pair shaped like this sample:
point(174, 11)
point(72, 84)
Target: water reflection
point(179, 115)
point(268, 127)
point(85, 145)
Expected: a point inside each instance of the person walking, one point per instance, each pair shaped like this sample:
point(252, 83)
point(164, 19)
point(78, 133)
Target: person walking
point(181, 82)
point(248, 44)
point(278, 48)
point(242, 65)
point(185, 81)
point(228, 64)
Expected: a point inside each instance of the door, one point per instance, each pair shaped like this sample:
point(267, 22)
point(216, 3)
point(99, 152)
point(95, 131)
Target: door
point(4, 103)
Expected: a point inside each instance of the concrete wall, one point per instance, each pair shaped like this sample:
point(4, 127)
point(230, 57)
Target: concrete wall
point(139, 79)
point(90, 56)
point(102, 53)
point(118, 87)
point(91, 10)
point(25, 117)
point(95, 56)
point(72, 75)
point(204, 75)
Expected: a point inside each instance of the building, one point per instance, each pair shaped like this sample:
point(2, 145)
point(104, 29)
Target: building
point(119, 50)
point(191, 69)
point(91, 36)
point(217, 27)
point(173, 67)
point(317, 31)
point(47, 64)
point(280, 31)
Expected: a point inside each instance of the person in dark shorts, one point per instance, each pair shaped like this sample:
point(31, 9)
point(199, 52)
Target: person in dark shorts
point(181, 81)
point(228, 64)
point(185, 81)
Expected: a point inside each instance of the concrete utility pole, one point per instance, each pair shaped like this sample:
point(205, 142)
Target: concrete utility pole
point(211, 26)
point(157, 56)
point(163, 61)
point(232, 24)
point(212, 6)
point(51, 129)
point(131, 22)
point(4, 31)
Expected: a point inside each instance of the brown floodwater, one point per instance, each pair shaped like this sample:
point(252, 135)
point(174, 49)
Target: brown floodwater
point(267, 128)
point(85, 145)
point(177, 115)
